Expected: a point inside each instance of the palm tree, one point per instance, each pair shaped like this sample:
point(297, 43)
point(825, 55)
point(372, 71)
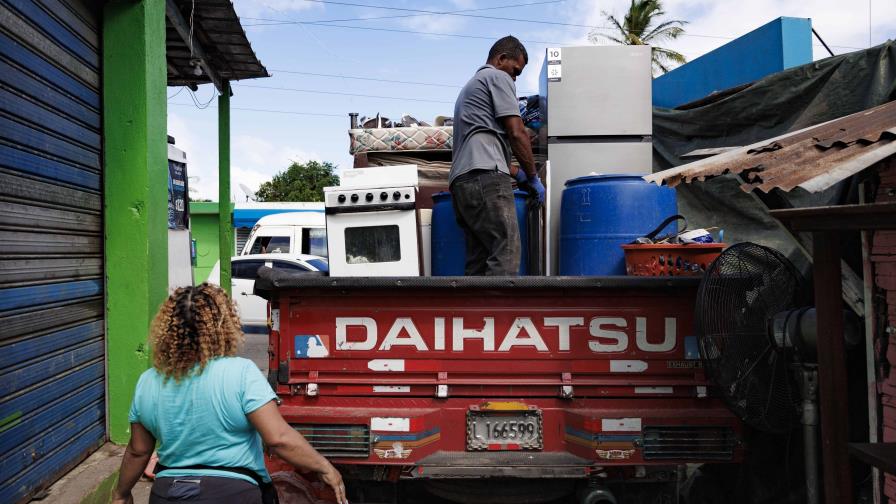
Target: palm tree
point(637, 28)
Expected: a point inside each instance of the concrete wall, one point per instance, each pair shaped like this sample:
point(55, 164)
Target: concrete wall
point(783, 43)
point(136, 193)
point(204, 227)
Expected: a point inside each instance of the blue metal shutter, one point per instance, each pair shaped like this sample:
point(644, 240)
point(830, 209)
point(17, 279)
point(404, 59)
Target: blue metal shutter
point(52, 333)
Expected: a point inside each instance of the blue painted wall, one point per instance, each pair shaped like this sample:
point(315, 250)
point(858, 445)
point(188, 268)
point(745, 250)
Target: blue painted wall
point(783, 43)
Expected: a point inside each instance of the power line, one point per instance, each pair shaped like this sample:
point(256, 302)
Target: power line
point(290, 112)
point(451, 13)
point(179, 91)
point(374, 79)
point(337, 93)
point(510, 6)
point(277, 22)
point(197, 103)
point(435, 84)
point(324, 23)
point(465, 13)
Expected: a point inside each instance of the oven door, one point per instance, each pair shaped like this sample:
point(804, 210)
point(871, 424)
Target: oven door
point(376, 243)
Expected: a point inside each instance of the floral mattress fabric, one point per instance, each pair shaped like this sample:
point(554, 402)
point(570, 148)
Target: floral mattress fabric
point(400, 139)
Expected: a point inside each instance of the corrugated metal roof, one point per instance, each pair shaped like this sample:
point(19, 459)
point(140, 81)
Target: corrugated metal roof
point(217, 29)
point(813, 158)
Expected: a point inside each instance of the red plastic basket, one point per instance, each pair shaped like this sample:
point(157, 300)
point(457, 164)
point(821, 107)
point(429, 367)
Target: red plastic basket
point(689, 259)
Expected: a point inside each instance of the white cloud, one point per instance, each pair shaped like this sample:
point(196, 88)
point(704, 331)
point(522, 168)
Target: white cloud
point(253, 160)
point(270, 8)
point(434, 23)
point(843, 25)
point(202, 153)
point(713, 23)
point(464, 4)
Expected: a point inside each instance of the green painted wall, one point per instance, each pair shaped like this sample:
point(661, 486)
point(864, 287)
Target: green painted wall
point(136, 192)
point(225, 225)
point(204, 227)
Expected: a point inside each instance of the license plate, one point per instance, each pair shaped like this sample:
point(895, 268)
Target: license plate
point(510, 430)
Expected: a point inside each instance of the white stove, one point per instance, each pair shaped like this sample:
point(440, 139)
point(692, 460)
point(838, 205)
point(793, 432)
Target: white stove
point(372, 222)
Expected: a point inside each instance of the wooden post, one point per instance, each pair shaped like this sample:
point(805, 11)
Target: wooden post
point(832, 368)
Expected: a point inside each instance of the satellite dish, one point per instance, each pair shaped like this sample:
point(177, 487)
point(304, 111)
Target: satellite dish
point(250, 194)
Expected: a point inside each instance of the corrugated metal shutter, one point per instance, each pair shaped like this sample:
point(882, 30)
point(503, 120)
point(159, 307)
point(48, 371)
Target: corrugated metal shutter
point(242, 236)
point(52, 369)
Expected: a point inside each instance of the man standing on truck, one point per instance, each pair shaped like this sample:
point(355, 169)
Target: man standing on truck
point(487, 127)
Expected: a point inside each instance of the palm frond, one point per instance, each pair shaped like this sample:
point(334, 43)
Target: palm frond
point(669, 55)
point(615, 22)
point(637, 28)
point(668, 33)
point(663, 25)
point(663, 68)
point(596, 37)
point(616, 40)
point(664, 60)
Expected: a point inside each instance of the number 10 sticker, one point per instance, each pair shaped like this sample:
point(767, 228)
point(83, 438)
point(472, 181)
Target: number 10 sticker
point(554, 55)
point(554, 73)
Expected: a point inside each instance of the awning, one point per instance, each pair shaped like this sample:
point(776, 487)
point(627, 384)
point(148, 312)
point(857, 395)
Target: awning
point(206, 43)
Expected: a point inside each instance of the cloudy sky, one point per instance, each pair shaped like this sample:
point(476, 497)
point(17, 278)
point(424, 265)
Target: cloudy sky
point(323, 71)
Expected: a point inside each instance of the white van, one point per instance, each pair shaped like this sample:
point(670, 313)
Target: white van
point(289, 233)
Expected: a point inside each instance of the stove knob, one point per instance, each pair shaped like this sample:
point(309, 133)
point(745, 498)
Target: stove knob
point(407, 196)
point(341, 198)
point(396, 195)
point(384, 196)
point(369, 197)
point(354, 198)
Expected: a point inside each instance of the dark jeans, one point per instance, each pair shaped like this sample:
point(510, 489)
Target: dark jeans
point(486, 211)
point(208, 490)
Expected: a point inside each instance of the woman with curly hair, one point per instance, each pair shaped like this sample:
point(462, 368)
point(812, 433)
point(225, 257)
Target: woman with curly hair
point(209, 411)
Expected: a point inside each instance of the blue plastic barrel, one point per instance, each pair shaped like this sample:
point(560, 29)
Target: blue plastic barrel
point(449, 248)
point(598, 213)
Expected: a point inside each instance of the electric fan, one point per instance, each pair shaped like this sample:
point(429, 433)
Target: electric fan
point(758, 347)
point(742, 291)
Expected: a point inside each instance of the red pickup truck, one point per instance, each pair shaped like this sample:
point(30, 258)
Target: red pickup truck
point(577, 384)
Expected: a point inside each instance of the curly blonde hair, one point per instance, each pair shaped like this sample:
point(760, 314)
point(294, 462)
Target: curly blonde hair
point(193, 326)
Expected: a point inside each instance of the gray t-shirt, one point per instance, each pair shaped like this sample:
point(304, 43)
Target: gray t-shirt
point(479, 139)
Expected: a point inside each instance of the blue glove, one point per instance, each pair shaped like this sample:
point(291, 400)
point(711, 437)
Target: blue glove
point(536, 184)
point(521, 177)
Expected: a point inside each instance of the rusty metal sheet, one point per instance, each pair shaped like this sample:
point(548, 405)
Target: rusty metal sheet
point(813, 158)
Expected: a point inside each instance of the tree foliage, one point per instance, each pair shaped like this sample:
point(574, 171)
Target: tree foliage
point(641, 25)
point(299, 182)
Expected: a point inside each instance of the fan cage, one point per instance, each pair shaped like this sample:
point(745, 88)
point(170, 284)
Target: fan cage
point(740, 294)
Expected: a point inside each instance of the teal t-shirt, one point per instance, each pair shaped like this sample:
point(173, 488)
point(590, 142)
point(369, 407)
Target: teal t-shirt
point(202, 420)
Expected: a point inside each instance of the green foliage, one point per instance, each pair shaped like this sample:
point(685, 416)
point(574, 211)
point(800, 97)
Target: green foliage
point(300, 182)
point(638, 28)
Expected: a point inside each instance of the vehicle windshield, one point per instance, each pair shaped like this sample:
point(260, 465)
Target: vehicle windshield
point(270, 245)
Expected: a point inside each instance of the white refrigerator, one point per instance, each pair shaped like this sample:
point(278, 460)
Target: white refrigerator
point(597, 105)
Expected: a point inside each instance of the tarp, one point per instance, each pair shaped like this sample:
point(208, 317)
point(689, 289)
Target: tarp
point(779, 103)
